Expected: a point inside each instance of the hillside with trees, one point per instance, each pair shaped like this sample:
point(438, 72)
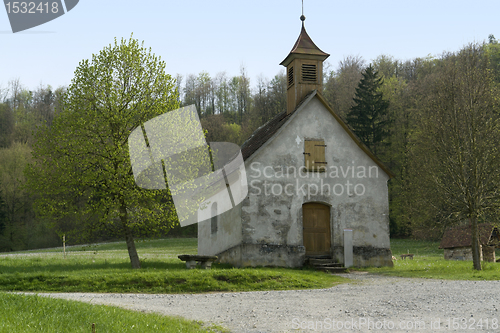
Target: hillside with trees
point(435, 127)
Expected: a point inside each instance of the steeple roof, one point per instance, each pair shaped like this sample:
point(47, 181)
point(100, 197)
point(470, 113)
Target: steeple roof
point(305, 48)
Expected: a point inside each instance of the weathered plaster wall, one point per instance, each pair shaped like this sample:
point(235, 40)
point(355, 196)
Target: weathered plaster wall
point(353, 185)
point(228, 233)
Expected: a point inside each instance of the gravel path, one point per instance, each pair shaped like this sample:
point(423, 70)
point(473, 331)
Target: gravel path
point(369, 303)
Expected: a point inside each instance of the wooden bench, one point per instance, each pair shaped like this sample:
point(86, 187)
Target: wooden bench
point(192, 260)
point(409, 255)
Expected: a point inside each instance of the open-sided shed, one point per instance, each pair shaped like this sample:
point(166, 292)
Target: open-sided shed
point(457, 242)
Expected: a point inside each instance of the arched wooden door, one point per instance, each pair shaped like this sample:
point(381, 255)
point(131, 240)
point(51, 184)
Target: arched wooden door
point(316, 222)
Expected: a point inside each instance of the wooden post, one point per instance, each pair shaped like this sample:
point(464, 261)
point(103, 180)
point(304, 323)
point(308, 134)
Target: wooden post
point(93, 327)
point(64, 245)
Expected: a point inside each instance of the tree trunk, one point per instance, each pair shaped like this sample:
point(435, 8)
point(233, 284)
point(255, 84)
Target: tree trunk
point(129, 238)
point(132, 252)
point(476, 259)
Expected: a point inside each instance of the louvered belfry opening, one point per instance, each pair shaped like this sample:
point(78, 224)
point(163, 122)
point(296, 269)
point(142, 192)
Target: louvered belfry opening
point(290, 76)
point(309, 73)
point(304, 66)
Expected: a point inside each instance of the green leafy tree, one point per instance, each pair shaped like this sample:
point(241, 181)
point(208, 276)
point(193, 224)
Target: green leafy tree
point(396, 91)
point(493, 50)
point(217, 130)
point(6, 125)
point(83, 167)
point(368, 118)
point(18, 204)
point(340, 86)
point(386, 66)
point(3, 215)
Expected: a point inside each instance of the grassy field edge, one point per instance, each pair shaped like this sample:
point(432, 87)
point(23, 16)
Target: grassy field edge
point(429, 263)
point(32, 313)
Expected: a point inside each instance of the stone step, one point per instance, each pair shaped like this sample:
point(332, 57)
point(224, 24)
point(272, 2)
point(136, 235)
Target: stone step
point(328, 264)
point(333, 269)
point(314, 261)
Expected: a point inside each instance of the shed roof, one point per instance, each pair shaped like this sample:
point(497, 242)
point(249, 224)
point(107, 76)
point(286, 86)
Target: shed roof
point(462, 236)
point(268, 130)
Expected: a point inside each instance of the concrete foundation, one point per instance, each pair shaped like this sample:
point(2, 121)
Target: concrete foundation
point(253, 255)
point(365, 256)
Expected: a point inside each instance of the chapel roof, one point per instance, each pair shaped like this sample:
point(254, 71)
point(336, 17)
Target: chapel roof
point(268, 130)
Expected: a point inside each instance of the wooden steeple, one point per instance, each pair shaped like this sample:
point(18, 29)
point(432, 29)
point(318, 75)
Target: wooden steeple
point(304, 68)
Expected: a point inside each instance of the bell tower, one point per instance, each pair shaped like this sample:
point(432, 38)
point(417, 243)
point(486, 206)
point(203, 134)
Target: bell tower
point(304, 68)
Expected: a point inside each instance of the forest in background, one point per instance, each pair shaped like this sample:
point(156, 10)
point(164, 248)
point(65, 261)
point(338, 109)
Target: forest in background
point(232, 108)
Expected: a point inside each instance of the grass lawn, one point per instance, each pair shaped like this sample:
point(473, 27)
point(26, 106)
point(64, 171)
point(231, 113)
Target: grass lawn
point(429, 263)
point(25, 314)
point(106, 268)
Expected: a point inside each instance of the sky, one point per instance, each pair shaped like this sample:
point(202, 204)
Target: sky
point(192, 36)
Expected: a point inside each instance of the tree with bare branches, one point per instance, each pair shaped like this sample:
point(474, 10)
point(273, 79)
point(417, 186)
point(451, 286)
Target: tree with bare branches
point(460, 139)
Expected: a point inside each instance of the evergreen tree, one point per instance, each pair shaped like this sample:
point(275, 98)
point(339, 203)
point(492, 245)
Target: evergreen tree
point(368, 118)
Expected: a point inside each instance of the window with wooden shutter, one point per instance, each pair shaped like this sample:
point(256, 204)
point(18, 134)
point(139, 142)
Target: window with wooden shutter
point(309, 73)
point(314, 155)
